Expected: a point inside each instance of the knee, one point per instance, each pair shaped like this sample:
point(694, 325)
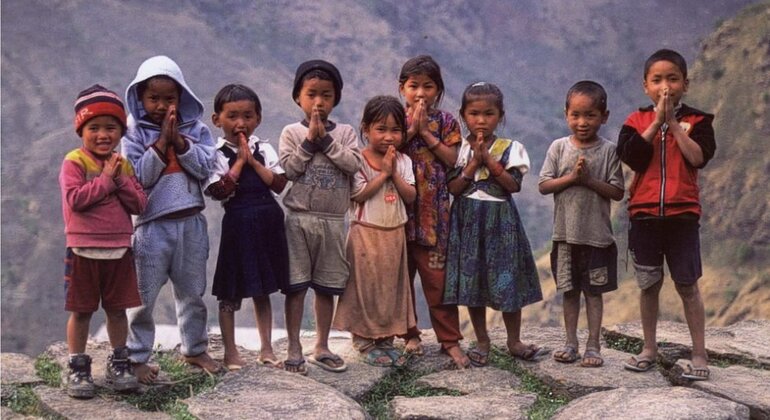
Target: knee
point(654, 290)
point(81, 316)
point(688, 291)
point(116, 315)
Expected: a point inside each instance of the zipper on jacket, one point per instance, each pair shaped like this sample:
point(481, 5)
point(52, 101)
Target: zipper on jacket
point(663, 131)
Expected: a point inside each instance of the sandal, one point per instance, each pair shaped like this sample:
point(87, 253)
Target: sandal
point(478, 357)
point(592, 354)
point(399, 359)
point(378, 357)
point(295, 366)
point(532, 353)
point(639, 364)
point(696, 373)
point(328, 362)
point(569, 354)
point(415, 350)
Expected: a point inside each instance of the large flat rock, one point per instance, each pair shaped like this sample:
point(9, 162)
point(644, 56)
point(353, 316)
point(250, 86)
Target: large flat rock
point(55, 401)
point(750, 387)
point(671, 403)
point(18, 369)
point(572, 380)
point(742, 342)
point(477, 380)
point(467, 407)
point(8, 414)
point(257, 392)
point(355, 382)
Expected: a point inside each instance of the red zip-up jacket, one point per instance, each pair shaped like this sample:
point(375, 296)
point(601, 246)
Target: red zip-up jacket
point(664, 184)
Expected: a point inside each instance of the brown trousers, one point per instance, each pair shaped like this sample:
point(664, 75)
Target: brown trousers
point(445, 319)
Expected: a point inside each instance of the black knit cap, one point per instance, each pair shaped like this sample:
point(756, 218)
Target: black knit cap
point(325, 67)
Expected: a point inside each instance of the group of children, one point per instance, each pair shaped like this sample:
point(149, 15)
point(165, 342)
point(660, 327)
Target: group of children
point(395, 193)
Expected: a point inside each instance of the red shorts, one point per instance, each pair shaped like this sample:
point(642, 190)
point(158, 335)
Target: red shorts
point(87, 281)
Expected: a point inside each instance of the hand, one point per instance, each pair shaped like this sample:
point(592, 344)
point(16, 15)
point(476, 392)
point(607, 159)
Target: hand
point(422, 116)
point(112, 165)
point(316, 129)
point(243, 148)
point(660, 107)
point(477, 145)
point(389, 161)
point(670, 115)
point(581, 171)
point(412, 124)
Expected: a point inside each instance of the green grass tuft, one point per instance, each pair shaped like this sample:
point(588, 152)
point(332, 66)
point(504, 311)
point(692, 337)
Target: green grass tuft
point(48, 370)
point(624, 344)
point(21, 399)
point(547, 402)
point(400, 382)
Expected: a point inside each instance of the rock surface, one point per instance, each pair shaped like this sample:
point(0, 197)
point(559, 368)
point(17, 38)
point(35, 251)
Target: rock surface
point(750, 387)
point(55, 401)
point(495, 406)
point(8, 414)
point(266, 393)
point(474, 381)
point(18, 369)
point(743, 342)
point(652, 403)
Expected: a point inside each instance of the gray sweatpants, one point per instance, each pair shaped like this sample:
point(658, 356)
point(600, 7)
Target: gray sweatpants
point(175, 249)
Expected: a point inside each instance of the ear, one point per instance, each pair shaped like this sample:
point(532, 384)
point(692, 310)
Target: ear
point(605, 116)
point(644, 85)
point(686, 85)
point(215, 120)
point(259, 120)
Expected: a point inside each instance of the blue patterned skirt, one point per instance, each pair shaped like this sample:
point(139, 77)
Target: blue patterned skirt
point(489, 260)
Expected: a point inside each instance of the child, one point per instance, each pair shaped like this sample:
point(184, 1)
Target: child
point(320, 157)
point(99, 194)
point(377, 304)
point(432, 138)
point(253, 259)
point(665, 145)
point(489, 261)
point(583, 173)
point(172, 151)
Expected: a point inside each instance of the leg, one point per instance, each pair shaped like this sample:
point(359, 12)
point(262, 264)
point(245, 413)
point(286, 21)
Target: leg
point(516, 348)
point(648, 304)
point(294, 309)
point(594, 310)
point(480, 355)
point(227, 310)
point(694, 313)
point(77, 331)
point(117, 327)
point(324, 311)
point(263, 312)
point(571, 315)
point(413, 342)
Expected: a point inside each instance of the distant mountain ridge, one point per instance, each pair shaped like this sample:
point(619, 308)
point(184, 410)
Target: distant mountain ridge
point(533, 49)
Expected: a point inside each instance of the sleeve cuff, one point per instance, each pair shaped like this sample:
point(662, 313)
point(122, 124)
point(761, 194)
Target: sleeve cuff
point(309, 146)
point(325, 142)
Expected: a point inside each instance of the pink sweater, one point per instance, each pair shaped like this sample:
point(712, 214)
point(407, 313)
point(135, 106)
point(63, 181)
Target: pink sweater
point(97, 209)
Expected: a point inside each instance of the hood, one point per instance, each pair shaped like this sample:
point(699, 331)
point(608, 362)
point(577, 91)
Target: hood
point(190, 107)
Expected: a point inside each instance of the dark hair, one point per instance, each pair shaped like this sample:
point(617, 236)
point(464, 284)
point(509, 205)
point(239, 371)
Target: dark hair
point(423, 64)
point(379, 108)
point(142, 86)
point(235, 93)
point(591, 89)
point(666, 55)
point(480, 90)
point(316, 74)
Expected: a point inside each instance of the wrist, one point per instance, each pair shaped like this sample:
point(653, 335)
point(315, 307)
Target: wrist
point(496, 169)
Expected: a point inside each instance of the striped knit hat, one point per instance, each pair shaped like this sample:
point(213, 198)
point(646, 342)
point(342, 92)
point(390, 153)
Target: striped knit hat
point(96, 101)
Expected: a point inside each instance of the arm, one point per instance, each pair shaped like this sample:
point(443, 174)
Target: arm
point(148, 162)
point(198, 160)
point(633, 149)
point(294, 152)
point(603, 189)
point(699, 147)
point(80, 194)
point(343, 152)
point(131, 194)
point(550, 182)
point(503, 177)
point(465, 174)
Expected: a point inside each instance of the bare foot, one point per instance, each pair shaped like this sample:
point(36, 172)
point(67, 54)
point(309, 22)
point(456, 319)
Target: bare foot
point(145, 373)
point(458, 357)
point(526, 351)
point(267, 358)
point(205, 362)
point(414, 346)
point(233, 361)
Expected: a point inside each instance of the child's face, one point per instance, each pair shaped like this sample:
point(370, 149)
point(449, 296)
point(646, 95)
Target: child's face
point(383, 134)
point(481, 115)
point(665, 75)
point(101, 135)
point(158, 97)
point(419, 87)
point(584, 118)
point(316, 94)
point(236, 118)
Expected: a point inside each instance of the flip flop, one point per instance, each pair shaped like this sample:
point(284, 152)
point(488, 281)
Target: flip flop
point(321, 360)
point(691, 374)
point(568, 354)
point(234, 367)
point(477, 357)
point(272, 363)
point(591, 354)
point(374, 356)
point(417, 351)
point(532, 353)
point(298, 364)
point(636, 364)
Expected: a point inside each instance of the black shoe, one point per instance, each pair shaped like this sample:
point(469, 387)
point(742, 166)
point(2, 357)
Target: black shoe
point(120, 373)
point(79, 382)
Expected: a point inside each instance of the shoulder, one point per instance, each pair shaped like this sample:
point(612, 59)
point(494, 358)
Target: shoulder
point(701, 115)
point(293, 129)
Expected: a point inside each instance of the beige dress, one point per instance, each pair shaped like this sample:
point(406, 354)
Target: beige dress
point(377, 302)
